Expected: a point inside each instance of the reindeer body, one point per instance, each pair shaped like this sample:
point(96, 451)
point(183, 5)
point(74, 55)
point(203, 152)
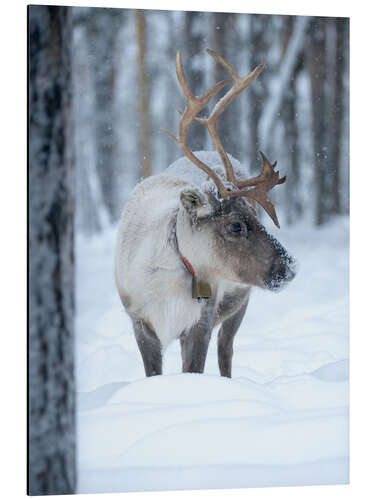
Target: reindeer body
point(190, 246)
point(153, 282)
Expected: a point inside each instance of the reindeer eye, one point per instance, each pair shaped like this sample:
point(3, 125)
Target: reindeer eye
point(236, 227)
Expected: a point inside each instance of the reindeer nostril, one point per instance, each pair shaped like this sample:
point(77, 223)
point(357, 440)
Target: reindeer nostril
point(282, 271)
point(279, 269)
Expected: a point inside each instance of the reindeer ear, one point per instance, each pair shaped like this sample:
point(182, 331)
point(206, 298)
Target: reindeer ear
point(195, 202)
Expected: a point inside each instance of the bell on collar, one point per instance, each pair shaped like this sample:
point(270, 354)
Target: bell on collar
point(201, 289)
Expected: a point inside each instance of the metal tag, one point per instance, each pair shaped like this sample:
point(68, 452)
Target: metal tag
point(200, 289)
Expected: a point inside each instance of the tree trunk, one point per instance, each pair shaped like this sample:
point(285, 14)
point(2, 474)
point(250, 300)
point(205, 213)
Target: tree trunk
point(289, 115)
point(287, 68)
point(194, 52)
point(224, 41)
point(320, 111)
point(293, 201)
point(173, 99)
point(51, 404)
point(102, 28)
point(91, 213)
point(338, 112)
point(256, 93)
point(144, 107)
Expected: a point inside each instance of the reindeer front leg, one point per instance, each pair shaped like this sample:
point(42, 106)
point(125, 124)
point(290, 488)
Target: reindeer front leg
point(149, 346)
point(194, 342)
point(225, 338)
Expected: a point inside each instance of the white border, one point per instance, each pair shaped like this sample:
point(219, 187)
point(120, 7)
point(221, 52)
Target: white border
point(13, 247)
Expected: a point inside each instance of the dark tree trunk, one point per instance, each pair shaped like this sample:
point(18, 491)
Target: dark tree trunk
point(103, 27)
point(327, 68)
point(51, 405)
point(321, 115)
point(144, 95)
point(194, 51)
point(340, 97)
point(91, 214)
point(256, 93)
point(293, 201)
point(289, 115)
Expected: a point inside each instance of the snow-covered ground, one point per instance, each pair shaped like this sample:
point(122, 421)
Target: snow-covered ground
point(281, 420)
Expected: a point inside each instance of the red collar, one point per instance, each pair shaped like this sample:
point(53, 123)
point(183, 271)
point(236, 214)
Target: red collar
point(186, 261)
point(188, 265)
point(200, 289)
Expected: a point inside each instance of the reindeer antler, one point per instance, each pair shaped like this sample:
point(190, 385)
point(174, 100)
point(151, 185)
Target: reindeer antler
point(259, 185)
point(263, 183)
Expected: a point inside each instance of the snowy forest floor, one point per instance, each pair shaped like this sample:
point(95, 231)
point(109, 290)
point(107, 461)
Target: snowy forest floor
point(281, 420)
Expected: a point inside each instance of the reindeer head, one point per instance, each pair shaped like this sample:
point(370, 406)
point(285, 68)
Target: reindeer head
point(223, 226)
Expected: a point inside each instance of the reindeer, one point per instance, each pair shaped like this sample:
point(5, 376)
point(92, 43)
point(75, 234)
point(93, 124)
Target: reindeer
point(190, 246)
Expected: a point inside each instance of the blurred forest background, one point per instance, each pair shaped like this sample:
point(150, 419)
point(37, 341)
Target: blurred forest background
point(125, 90)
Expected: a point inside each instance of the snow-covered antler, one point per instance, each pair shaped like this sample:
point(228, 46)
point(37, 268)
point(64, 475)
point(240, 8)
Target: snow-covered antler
point(262, 183)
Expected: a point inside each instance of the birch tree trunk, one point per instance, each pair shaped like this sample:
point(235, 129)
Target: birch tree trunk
point(51, 405)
